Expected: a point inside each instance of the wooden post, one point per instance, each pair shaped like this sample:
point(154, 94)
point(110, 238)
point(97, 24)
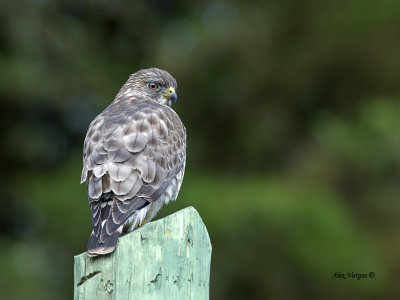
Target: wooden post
point(165, 259)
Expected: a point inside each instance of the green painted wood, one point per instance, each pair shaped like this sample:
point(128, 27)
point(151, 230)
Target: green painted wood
point(165, 259)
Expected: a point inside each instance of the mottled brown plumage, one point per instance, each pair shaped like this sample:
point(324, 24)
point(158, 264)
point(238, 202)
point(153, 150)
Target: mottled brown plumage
point(134, 158)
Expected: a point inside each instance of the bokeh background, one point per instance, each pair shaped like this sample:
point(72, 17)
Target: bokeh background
point(292, 113)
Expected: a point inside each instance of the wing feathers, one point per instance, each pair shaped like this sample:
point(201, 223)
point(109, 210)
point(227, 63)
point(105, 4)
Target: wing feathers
point(95, 187)
point(135, 141)
point(131, 156)
point(125, 186)
point(120, 155)
point(118, 172)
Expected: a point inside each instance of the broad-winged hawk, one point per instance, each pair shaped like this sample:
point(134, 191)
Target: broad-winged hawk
point(134, 158)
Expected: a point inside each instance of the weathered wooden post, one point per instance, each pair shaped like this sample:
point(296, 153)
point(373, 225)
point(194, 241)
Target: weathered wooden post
point(165, 259)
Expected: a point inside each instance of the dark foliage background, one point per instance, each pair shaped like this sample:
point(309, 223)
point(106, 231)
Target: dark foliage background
point(292, 111)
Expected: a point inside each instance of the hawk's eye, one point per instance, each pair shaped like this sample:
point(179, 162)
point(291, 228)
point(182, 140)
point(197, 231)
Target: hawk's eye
point(153, 86)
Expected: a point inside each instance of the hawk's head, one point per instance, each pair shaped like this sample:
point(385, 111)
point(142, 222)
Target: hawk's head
point(154, 83)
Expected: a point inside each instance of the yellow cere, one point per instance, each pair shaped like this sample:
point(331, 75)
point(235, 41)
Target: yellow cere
point(171, 90)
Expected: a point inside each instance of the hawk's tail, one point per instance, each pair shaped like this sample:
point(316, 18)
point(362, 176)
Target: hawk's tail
point(97, 247)
point(109, 221)
point(105, 233)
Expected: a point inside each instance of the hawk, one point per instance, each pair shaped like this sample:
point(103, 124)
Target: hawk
point(134, 158)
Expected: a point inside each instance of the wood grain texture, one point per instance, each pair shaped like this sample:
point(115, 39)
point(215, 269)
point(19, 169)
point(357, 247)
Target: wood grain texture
point(166, 259)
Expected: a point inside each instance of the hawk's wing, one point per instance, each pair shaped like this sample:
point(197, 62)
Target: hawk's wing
point(132, 151)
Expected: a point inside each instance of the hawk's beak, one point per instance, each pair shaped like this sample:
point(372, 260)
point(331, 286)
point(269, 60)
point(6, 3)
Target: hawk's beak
point(171, 95)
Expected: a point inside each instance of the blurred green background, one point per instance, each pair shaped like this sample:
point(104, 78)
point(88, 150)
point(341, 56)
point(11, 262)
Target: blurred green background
point(292, 113)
